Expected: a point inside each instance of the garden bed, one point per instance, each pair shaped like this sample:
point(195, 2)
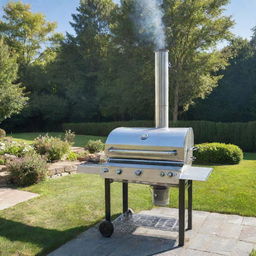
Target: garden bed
point(29, 162)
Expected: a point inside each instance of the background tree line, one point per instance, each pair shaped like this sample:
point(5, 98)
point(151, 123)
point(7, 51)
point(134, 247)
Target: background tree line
point(105, 70)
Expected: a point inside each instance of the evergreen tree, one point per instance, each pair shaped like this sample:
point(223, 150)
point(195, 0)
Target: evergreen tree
point(80, 61)
point(234, 99)
point(126, 88)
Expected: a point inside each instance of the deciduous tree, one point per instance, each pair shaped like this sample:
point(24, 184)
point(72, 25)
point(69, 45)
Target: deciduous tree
point(194, 29)
point(24, 31)
point(12, 98)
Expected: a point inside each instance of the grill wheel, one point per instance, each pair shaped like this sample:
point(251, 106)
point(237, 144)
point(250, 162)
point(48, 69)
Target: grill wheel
point(106, 228)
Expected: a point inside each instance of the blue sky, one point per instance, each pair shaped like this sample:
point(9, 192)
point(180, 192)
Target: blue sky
point(243, 12)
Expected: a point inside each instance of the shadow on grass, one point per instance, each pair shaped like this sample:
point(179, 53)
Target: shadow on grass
point(48, 239)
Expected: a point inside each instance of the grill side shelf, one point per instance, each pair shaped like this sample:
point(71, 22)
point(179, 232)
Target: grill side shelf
point(195, 173)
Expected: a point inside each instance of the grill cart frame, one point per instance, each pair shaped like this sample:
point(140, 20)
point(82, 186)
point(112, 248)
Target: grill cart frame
point(106, 227)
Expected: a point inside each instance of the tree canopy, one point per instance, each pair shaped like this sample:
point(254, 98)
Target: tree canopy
point(194, 28)
point(12, 98)
point(234, 99)
point(25, 32)
point(104, 71)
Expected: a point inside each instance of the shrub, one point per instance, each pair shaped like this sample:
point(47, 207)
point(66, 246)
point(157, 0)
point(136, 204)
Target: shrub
point(30, 169)
point(8, 146)
point(51, 147)
point(69, 137)
point(94, 146)
point(83, 156)
point(218, 153)
point(72, 156)
point(2, 133)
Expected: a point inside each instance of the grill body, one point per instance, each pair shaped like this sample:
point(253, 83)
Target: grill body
point(148, 155)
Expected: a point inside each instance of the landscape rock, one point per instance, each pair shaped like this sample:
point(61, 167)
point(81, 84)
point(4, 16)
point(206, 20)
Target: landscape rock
point(78, 150)
point(83, 158)
point(2, 168)
point(10, 157)
point(97, 158)
point(4, 178)
point(59, 168)
point(94, 158)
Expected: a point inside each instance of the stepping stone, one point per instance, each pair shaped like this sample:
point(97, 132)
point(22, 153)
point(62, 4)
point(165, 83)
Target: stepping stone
point(248, 234)
point(10, 197)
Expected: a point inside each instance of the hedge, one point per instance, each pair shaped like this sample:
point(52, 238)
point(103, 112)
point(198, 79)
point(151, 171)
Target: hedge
point(218, 153)
point(240, 134)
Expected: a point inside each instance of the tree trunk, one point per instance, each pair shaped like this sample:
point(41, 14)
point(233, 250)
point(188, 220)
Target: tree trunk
point(175, 104)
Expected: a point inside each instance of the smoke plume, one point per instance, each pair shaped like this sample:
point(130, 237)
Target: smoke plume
point(148, 21)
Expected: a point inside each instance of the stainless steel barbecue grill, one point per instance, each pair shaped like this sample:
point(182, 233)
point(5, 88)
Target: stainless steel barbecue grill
point(148, 155)
point(160, 156)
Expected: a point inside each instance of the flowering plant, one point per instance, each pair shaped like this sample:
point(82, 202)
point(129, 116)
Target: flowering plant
point(8, 146)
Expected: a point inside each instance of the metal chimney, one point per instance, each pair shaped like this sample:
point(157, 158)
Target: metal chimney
point(161, 89)
point(161, 193)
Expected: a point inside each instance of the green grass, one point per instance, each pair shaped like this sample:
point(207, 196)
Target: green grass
point(66, 207)
point(230, 189)
point(80, 140)
point(69, 205)
point(253, 253)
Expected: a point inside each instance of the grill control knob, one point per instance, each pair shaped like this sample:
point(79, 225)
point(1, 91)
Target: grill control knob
point(162, 174)
point(138, 172)
point(170, 174)
point(105, 170)
point(119, 171)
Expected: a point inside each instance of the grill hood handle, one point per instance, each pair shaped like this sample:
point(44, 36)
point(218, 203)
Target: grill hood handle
point(142, 152)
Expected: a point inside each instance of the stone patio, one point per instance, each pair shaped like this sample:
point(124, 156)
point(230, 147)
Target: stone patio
point(154, 232)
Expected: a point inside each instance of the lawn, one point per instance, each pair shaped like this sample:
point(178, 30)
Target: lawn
point(69, 205)
point(253, 253)
point(80, 140)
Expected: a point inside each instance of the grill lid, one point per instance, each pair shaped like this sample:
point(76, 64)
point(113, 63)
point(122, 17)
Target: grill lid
point(167, 144)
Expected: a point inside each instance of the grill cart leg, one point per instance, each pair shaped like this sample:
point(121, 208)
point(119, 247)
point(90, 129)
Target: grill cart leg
point(127, 212)
point(181, 212)
point(106, 227)
point(125, 197)
point(190, 198)
point(107, 200)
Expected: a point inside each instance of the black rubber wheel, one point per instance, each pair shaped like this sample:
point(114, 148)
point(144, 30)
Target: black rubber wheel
point(106, 228)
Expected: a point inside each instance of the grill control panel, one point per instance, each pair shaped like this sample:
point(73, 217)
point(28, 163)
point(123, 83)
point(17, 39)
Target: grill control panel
point(141, 175)
point(105, 170)
point(119, 171)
